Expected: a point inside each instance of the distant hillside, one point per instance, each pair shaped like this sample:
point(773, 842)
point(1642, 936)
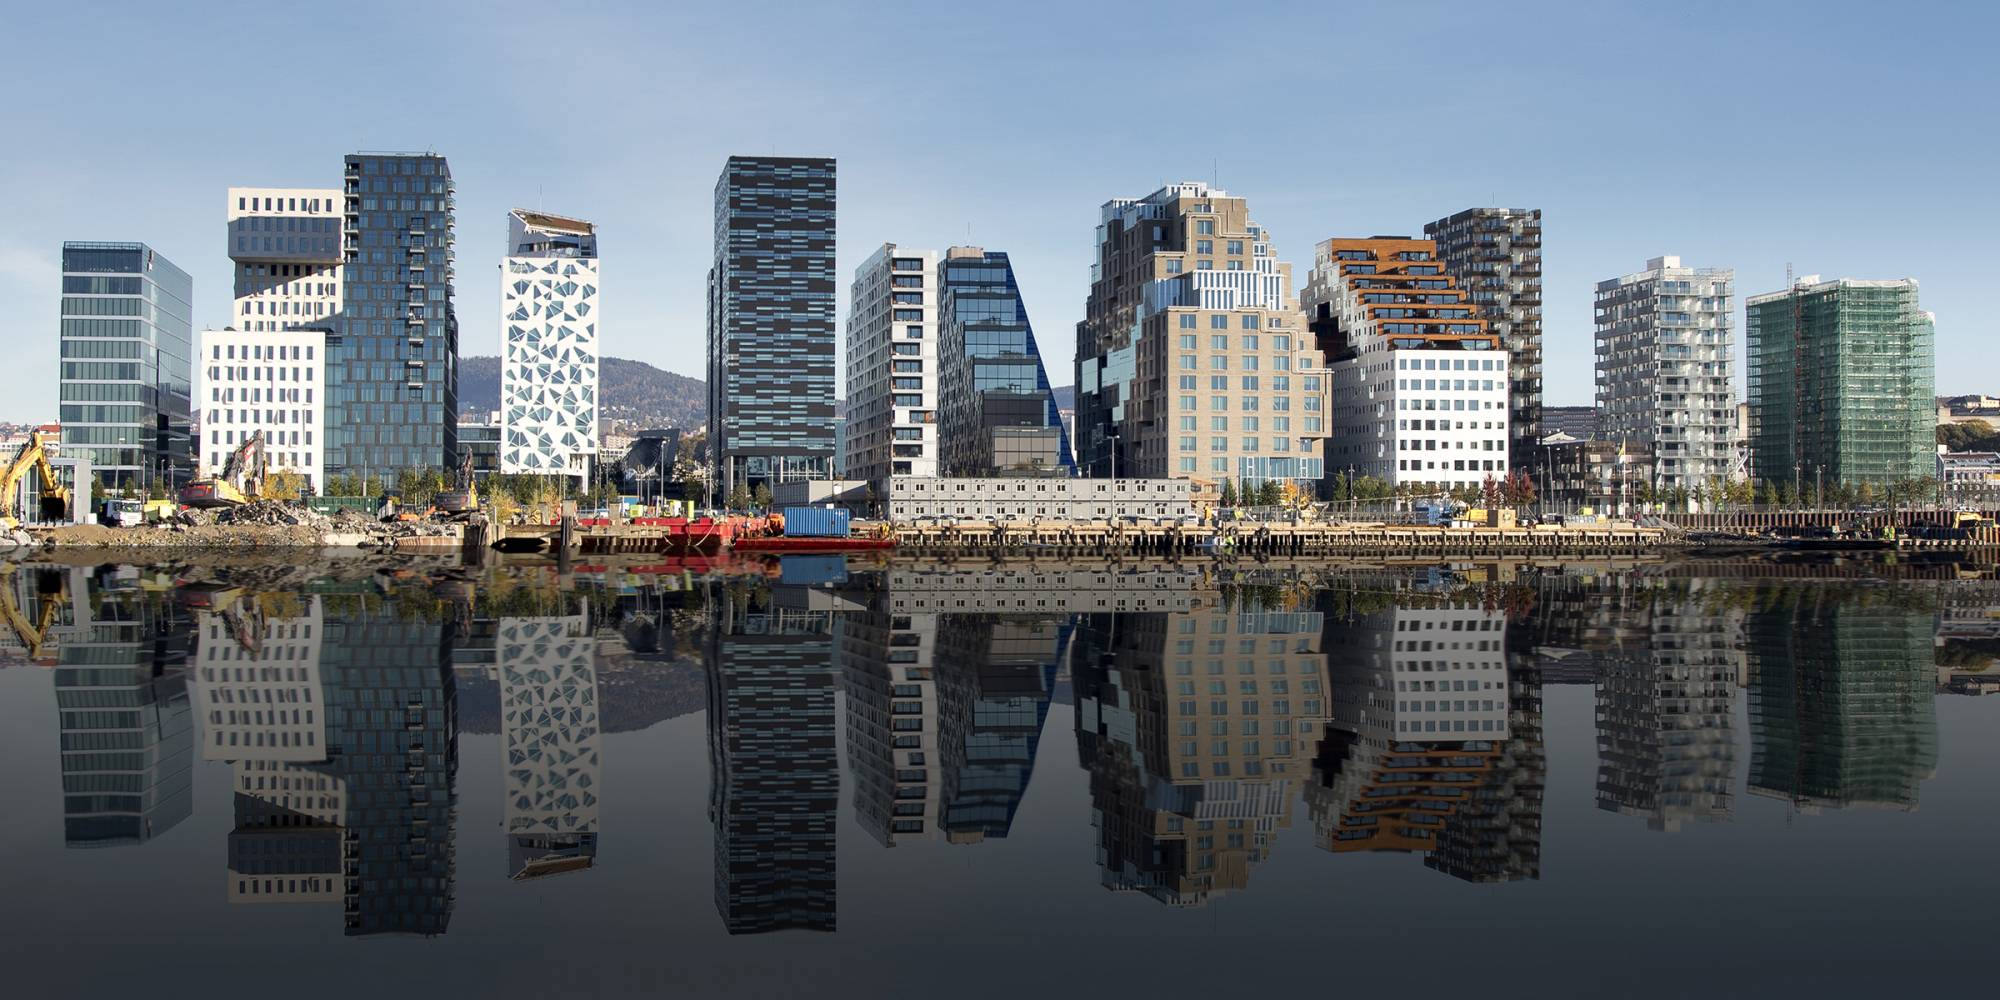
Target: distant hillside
point(633, 394)
point(1065, 397)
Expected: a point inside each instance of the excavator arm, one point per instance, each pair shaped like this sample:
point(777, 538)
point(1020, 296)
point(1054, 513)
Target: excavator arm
point(33, 457)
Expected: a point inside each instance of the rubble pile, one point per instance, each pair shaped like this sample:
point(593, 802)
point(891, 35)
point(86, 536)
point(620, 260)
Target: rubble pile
point(271, 512)
point(264, 524)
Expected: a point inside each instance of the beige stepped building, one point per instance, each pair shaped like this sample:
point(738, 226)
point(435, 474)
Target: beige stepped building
point(1192, 358)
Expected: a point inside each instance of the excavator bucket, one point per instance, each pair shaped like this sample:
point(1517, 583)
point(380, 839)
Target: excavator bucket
point(54, 508)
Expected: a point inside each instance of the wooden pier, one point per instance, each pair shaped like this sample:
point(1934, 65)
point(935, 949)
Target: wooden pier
point(1268, 540)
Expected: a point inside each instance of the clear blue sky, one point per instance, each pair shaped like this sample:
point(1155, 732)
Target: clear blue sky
point(1850, 139)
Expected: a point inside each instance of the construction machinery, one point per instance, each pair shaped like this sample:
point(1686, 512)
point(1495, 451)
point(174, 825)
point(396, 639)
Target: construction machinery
point(51, 593)
point(238, 481)
point(32, 457)
point(462, 500)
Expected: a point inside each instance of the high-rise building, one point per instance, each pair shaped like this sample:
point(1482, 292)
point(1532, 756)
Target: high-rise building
point(998, 411)
point(127, 378)
point(284, 244)
point(127, 727)
point(392, 371)
point(1666, 711)
point(1842, 375)
point(1665, 354)
point(1496, 255)
point(892, 367)
point(549, 306)
point(776, 779)
point(1842, 699)
point(770, 322)
point(549, 715)
point(1419, 382)
point(1191, 359)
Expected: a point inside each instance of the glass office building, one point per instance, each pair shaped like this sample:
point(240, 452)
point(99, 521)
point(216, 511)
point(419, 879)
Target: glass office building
point(392, 370)
point(999, 416)
point(126, 378)
point(770, 322)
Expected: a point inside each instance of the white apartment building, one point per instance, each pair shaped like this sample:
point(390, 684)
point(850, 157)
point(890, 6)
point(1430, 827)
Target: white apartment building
point(549, 306)
point(264, 372)
point(1027, 499)
point(1665, 366)
point(270, 383)
point(892, 367)
point(1419, 385)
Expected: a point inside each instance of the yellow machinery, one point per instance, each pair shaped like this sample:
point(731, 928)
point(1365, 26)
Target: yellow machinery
point(237, 484)
point(33, 634)
point(33, 456)
point(462, 500)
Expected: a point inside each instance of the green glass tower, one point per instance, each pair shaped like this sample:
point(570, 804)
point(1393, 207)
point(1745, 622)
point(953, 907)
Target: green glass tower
point(1841, 378)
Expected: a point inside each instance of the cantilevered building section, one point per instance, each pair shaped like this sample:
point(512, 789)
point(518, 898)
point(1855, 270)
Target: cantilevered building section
point(1191, 359)
point(1419, 386)
point(1841, 381)
point(1496, 255)
point(770, 322)
point(892, 367)
point(999, 413)
point(1665, 356)
point(548, 315)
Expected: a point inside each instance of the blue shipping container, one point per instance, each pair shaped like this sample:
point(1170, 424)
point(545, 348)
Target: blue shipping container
point(811, 571)
point(815, 522)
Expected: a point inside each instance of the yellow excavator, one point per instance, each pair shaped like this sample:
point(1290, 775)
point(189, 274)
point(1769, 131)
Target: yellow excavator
point(33, 457)
point(462, 501)
point(32, 633)
point(236, 484)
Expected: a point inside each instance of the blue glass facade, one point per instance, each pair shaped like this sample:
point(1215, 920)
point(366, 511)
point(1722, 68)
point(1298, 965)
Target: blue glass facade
point(392, 371)
point(126, 377)
point(770, 322)
point(998, 413)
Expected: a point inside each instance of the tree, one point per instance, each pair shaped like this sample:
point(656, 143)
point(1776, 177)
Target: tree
point(762, 497)
point(1270, 494)
point(1293, 497)
point(1342, 489)
point(1788, 494)
point(1229, 493)
point(1370, 488)
point(1865, 493)
point(1772, 498)
point(739, 498)
point(281, 485)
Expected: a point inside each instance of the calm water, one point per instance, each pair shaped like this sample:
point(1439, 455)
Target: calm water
point(1072, 780)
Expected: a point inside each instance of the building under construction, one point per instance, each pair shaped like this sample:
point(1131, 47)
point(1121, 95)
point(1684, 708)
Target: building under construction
point(1841, 379)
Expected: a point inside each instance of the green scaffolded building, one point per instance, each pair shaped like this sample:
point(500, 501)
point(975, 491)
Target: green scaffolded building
point(1841, 377)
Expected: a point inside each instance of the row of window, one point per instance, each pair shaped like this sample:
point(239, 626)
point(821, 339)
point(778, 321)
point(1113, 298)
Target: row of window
point(1248, 362)
point(1455, 465)
point(1248, 444)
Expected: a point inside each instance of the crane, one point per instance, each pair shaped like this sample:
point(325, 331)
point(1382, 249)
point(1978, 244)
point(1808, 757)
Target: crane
point(238, 481)
point(33, 457)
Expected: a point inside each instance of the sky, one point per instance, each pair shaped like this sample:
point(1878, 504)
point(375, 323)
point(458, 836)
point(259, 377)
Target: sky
point(1836, 138)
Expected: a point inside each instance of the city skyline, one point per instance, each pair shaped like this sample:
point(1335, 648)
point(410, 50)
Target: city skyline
point(1767, 81)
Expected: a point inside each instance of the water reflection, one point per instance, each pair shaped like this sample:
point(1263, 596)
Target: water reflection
point(1388, 711)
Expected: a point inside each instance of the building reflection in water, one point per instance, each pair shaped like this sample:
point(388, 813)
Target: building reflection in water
point(1842, 690)
point(125, 722)
point(948, 678)
point(1196, 725)
point(549, 714)
point(1435, 744)
point(776, 777)
point(1666, 705)
point(338, 714)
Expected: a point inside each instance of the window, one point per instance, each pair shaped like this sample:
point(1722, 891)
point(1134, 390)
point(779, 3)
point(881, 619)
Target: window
point(1219, 322)
point(1234, 246)
point(1204, 246)
point(1205, 227)
point(1187, 321)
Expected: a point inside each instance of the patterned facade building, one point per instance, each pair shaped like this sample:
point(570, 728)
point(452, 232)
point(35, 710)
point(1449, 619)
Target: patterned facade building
point(392, 371)
point(549, 718)
point(770, 322)
point(1496, 256)
point(1419, 384)
point(549, 309)
point(1192, 359)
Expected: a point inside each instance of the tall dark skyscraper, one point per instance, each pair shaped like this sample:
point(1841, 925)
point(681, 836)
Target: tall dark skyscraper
point(770, 322)
point(776, 783)
point(1496, 255)
point(392, 367)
